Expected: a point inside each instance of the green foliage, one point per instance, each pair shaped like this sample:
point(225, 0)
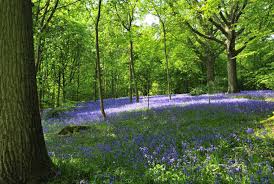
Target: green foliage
point(67, 71)
point(198, 90)
point(161, 174)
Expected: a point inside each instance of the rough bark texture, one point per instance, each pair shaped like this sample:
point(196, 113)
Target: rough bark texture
point(23, 155)
point(100, 91)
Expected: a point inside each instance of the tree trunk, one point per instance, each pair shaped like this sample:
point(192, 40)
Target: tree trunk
point(210, 62)
point(231, 66)
point(78, 80)
point(64, 85)
point(112, 85)
point(232, 75)
point(167, 64)
point(59, 88)
point(130, 83)
point(38, 53)
point(95, 83)
point(133, 71)
point(23, 154)
point(98, 62)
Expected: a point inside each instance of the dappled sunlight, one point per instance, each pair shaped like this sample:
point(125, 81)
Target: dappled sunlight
point(117, 108)
point(189, 141)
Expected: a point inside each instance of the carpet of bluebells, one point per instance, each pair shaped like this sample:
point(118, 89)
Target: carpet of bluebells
point(218, 138)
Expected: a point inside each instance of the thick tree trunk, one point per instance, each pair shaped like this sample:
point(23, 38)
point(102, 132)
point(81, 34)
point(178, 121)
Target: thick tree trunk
point(232, 75)
point(231, 65)
point(23, 155)
point(100, 91)
point(133, 71)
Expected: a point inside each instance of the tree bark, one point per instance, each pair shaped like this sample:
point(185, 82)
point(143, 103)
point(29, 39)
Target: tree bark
point(95, 83)
point(38, 53)
point(130, 83)
point(133, 71)
point(232, 75)
point(23, 154)
point(59, 88)
point(166, 58)
point(210, 62)
point(98, 61)
point(231, 64)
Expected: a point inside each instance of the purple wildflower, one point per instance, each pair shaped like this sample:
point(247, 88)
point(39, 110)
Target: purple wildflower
point(250, 131)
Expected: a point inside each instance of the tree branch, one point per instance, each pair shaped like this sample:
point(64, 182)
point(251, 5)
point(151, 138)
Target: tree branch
point(203, 35)
point(50, 16)
point(223, 17)
point(241, 11)
point(219, 26)
point(238, 51)
point(64, 6)
point(121, 20)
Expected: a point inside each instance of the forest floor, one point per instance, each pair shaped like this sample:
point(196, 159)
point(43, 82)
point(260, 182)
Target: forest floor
point(189, 139)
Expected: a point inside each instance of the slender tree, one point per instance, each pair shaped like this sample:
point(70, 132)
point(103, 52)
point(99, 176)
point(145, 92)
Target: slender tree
point(126, 20)
point(23, 154)
point(99, 77)
point(42, 17)
point(162, 19)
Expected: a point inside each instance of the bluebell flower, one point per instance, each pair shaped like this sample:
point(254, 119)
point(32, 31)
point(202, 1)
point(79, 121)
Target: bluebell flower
point(250, 131)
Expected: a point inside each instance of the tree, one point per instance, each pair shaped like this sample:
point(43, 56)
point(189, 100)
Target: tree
point(160, 9)
point(226, 21)
point(23, 154)
point(98, 64)
point(43, 14)
point(208, 52)
point(126, 17)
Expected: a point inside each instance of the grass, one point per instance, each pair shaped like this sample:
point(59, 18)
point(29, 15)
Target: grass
point(175, 146)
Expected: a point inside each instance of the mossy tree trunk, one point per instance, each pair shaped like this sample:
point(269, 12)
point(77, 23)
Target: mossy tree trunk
point(23, 155)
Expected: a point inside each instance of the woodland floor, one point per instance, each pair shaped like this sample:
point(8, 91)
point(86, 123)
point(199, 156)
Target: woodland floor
point(185, 140)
